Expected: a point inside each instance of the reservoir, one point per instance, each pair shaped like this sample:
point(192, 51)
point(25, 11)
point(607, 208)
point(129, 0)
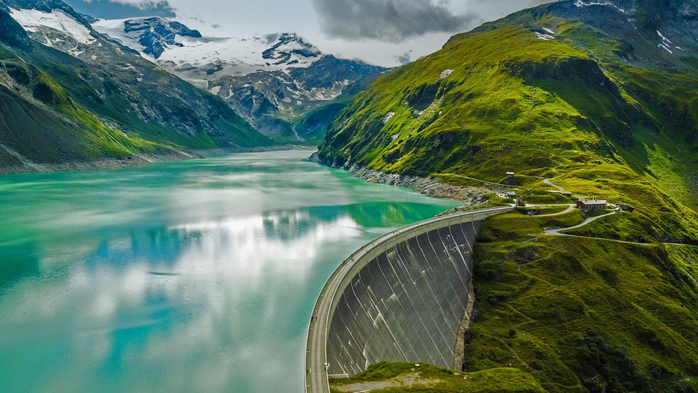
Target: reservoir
point(188, 276)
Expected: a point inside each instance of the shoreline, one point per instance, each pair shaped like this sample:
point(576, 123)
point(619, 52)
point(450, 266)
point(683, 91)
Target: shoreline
point(105, 163)
point(472, 196)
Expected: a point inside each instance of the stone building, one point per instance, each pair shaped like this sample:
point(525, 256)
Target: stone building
point(592, 204)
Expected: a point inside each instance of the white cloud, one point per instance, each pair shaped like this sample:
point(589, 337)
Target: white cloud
point(238, 17)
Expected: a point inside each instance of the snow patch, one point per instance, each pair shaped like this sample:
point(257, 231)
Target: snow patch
point(662, 37)
point(545, 37)
point(580, 3)
point(445, 74)
point(32, 20)
point(665, 44)
point(665, 47)
point(549, 31)
point(215, 89)
point(388, 116)
point(75, 52)
point(233, 56)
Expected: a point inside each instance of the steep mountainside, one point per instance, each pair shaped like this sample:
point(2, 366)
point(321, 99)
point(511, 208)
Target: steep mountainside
point(274, 81)
point(602, 98)
point(278, 102)
point(113, 102)
point(577, 82)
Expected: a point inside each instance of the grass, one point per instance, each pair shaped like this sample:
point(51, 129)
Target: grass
point(546, 198)
point(445, 380)
point(536, 211)
point(59, 108)
point(584, 308)
point(605, 119)
point(517, 103)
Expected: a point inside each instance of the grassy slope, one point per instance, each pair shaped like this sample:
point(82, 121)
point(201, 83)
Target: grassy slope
point(178, 104)
point(515, 102)
point(55, 107)
point(589, 109)
point(50, 126)
point(569, 309)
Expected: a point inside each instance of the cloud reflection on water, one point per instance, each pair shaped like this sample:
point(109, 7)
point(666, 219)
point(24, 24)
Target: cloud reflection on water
point(177, 282)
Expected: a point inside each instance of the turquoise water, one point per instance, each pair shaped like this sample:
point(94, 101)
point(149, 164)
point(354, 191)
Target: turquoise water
point(191, 276)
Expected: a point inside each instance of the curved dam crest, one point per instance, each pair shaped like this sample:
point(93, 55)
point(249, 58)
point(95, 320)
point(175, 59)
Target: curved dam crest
point(402, 297)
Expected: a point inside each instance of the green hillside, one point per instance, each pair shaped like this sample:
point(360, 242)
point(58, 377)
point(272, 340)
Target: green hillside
point(57, 108)
point(594, 97)
point(516, 102)
point(43, 123)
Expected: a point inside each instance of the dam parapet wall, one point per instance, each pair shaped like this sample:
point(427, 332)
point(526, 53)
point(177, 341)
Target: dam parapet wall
point(404, 296)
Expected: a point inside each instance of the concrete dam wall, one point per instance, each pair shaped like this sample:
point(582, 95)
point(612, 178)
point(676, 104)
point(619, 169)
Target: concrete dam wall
point(406, 296)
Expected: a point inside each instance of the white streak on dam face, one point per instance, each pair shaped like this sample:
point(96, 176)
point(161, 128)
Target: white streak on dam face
point(407, 303)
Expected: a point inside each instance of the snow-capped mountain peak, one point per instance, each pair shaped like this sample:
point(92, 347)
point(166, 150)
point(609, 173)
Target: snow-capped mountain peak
point(156, 34)
point(198, 58)
point(289, 49)
point(34, 20)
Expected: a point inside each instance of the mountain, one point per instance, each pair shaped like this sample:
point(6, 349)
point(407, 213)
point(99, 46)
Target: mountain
point(156, 35)
point(600, 99)
point(70, 94)
point(198, 59)
point(600, 80)
point(278, 102)
point(274, 81)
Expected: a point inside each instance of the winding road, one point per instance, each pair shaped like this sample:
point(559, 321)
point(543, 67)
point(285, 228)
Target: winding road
point(570, 207)
point(547, 181)
point(556, 232)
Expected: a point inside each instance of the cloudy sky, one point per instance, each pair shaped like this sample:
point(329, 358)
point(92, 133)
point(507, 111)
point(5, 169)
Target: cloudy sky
point(383, 32)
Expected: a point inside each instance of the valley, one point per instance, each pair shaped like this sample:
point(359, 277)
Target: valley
point(279, 82)
point(516, 211)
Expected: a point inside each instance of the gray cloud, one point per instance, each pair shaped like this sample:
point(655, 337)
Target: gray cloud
point(387, 20)
point(404, 58)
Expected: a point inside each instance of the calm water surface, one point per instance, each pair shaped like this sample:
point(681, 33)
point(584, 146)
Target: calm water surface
point(193, 276)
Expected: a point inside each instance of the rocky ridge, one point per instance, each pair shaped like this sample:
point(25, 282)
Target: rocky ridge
point(274, 81)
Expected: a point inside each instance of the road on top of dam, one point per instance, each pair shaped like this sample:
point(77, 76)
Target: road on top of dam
point(316, 377)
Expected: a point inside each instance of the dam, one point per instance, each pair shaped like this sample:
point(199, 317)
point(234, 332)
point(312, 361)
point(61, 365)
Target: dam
point(402, 297)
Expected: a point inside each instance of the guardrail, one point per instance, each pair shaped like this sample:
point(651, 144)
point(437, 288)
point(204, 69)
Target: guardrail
point(350, 267)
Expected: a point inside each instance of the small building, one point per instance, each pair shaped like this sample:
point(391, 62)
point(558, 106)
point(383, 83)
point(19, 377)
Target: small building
point(510, 174)
point(510, 194)
point(592, 204)
point(626, 208)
